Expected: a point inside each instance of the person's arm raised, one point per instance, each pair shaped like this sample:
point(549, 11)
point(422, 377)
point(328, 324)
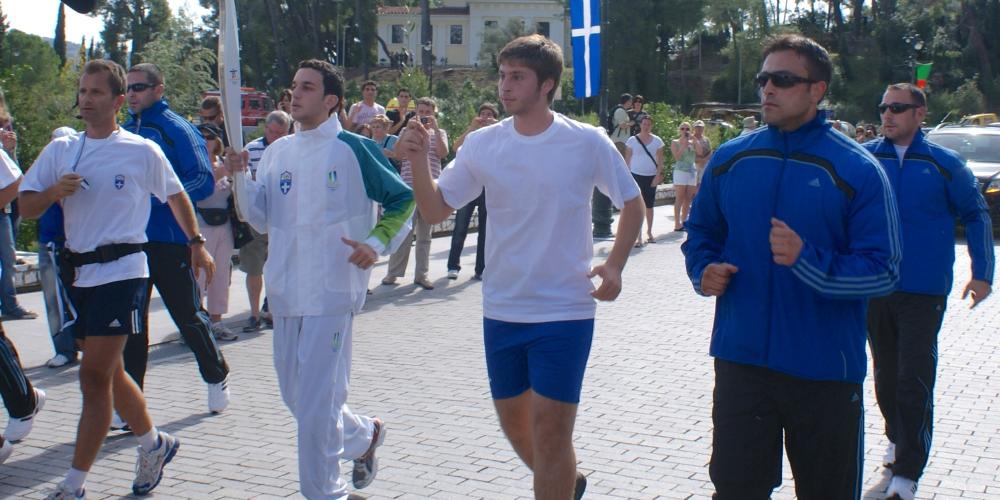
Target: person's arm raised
point(415, 144)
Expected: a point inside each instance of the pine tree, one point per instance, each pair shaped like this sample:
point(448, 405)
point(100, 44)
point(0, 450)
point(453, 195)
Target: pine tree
point(59, 42)
point(3, 37)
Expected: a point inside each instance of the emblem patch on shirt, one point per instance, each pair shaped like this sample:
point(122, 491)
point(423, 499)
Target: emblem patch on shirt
point(286, 182)
point(331, 179)
point(119, 181)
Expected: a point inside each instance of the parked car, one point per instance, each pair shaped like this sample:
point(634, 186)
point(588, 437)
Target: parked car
point(980, 146)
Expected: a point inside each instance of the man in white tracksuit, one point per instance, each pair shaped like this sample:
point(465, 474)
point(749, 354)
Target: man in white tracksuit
point(315, 196)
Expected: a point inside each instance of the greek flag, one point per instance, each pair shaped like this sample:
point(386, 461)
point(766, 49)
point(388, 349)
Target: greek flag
point(585, 20)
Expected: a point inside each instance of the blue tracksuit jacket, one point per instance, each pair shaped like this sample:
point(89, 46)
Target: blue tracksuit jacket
point(932, 187)
point(184, 146)
point(807, 320)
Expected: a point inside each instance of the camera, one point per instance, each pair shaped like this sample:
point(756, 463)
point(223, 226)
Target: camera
point(424, 120)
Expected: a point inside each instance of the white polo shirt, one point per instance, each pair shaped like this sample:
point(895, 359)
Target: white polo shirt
point(121, 172)
point(9, 171)
point(538, 235)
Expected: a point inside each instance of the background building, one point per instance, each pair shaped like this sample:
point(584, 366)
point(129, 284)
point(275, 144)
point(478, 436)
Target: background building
point(459, 27)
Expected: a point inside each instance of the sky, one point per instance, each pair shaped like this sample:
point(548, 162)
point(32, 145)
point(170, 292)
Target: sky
point(38, 17)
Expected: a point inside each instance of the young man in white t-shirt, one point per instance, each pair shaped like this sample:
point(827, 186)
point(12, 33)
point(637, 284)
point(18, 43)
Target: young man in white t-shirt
point(103, 178)
point(540, 169)
point(362, 113)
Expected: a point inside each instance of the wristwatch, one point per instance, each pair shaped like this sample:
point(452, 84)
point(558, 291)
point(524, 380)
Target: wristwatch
point(198, 239)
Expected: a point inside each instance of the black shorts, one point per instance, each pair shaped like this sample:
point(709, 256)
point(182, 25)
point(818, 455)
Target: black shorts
point(646, 188)
point(110, 309)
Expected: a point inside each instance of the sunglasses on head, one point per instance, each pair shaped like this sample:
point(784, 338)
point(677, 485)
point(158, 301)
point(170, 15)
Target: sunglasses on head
point(781, 79)
point(896, 107)
point(139, 87)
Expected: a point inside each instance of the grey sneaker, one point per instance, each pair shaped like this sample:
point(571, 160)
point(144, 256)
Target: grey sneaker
point(366, 467)
point(64, 492)
point(222, 332)
point(453, 274)
point(149, 466)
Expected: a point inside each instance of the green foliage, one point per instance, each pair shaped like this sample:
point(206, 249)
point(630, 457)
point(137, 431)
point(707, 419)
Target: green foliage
point(494, 39)
point(965, 100)
point(188, 67)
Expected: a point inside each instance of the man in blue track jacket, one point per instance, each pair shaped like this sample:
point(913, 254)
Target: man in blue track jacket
point(168, 249)
point(932, 186)
point(794, 228)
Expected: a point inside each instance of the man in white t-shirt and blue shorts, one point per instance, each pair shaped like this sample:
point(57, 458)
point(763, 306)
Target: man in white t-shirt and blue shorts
point(103, 179)
point(540, 169)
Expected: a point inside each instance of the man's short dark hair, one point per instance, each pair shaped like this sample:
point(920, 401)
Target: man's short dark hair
point(917, 95)
point(490, 106)
point(626, 97)
point(404, 89)
point(817, 58)
point(212, 103)
point(333, 82)
point(540, 54)
point(369, 83)
point(153, 74)
point(116, 74)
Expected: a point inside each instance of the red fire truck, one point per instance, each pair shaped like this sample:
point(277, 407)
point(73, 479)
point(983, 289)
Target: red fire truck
point(256, 105)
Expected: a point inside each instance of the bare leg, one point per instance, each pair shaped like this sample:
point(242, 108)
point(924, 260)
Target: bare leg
point(515, 419)
point(103, 380)
point(649, 223)
point(541, 432)
point(255, 286)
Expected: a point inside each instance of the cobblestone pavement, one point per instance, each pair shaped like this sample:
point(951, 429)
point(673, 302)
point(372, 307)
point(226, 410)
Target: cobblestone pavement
point(644, 424)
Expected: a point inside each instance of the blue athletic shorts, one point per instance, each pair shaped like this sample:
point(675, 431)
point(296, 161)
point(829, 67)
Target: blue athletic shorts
point(111, 309)
point(549, 358)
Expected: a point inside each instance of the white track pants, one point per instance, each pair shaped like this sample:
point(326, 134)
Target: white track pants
point(312, 356)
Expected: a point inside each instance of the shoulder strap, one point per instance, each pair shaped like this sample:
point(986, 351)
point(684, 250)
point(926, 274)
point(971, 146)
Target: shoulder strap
point(650, 155)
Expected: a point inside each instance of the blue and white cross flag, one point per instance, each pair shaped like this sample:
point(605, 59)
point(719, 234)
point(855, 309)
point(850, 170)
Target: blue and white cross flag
point(585, 20)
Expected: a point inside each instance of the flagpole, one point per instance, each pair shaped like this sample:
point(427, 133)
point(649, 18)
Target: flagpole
point(603, 94)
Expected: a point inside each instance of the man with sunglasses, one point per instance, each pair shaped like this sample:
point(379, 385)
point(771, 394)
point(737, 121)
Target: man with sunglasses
point(210, 111)
point(794, 228)
point(168, 249)
point(932, 185)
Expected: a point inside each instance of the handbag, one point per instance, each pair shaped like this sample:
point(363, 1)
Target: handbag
point(242, 232)
point(214, 216)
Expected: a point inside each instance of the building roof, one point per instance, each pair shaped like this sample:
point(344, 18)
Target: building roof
point(436, 11)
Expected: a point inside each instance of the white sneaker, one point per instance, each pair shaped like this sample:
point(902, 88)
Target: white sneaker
point(6, 450)
point(222, 332)
point(890, 455)
point(64, 492)
point(901, 488)
point(453, 274)
point(57, 361)
point(149, 466)
point(19, 428)
point(119, 424)
point(218, 396)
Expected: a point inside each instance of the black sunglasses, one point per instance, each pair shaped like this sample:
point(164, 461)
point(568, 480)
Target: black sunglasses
point(896, 107)
point(781, 79)
point(139, 87)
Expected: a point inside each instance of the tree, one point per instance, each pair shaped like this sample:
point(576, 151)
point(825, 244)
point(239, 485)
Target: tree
point(494, 39)
point(136, 21)
point(59, 42)
point(187, 66)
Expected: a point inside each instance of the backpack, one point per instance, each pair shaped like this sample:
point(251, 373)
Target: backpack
point(610, 120)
